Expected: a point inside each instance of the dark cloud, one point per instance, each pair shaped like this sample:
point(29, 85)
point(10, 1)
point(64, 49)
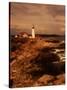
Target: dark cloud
point(55, 10)
point(46, 18)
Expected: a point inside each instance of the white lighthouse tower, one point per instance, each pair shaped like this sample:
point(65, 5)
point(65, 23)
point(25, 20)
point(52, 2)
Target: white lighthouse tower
point(33, 32)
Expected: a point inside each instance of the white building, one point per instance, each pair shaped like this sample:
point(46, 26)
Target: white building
point(23, 34)
point(33, 32)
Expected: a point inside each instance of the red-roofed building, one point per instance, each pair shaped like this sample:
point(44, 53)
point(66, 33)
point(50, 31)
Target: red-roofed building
point(23, 34)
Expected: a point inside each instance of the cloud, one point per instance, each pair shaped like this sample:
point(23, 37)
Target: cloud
point(56, 10)
point(46, 18)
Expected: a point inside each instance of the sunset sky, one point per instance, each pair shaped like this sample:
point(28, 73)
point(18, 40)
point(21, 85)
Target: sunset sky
point(47, 19)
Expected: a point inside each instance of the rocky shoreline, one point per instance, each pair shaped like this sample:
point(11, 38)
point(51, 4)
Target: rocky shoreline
point(33, 63)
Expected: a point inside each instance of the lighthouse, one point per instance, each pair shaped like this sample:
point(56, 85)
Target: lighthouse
point(33, 31)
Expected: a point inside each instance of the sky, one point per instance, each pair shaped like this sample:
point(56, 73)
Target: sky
point(47, 19)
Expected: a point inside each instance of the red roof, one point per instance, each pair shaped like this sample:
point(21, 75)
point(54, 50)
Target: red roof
point(22, 33)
